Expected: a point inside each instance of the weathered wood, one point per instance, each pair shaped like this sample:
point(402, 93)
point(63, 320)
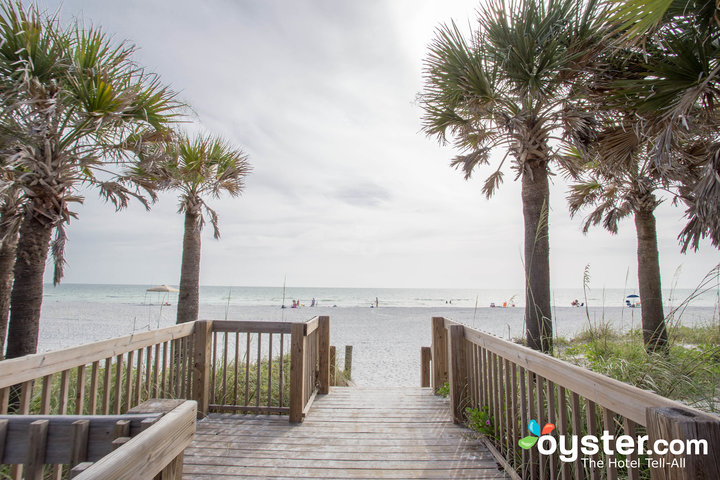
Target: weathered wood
point(156, 406)
point(626, 400)
point(334, 443)
point(684, 429)
point(576, 417)
point(128, 381)
point(45, 396)
point(297, 372)
point(282, 361)
point(563, 427)
point(122, 429)
point(37, 442)
point(608, 418)
point(139, 377)
point(4, 400)
point(323, 355)
point(201, 366)
point(173, 471)
point(118, 384)
point(119, 442)
point(80, 391)
point(250, 326)
point(148, 453)
point(29, 367)
point(79, 442)
point(311, 325)
point(3, 437)
point(425, 357)
point(629, 429)
point(25, 397)
point(458, 373)
point(79, 468)
point(439, 353)
point(592, 429)
point(347, 368)
point(94, 387)
point(107, 386)
point(333, 367)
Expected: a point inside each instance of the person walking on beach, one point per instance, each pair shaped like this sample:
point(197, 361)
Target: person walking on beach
point(376, 302)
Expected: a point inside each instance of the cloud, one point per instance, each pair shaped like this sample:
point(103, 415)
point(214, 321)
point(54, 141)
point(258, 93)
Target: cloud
point(345, 189)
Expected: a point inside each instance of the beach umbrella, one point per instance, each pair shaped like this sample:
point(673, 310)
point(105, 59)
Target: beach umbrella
point(162, 288)
point(633, 296)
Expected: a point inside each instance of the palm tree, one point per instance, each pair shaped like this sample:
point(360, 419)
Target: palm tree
point(78, 99)
point(199, 167)
point(619, 179)
point(506, 86)
point(10, 215)
point(677, 93)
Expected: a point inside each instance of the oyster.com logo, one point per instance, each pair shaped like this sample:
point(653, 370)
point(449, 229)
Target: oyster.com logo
point(529, 441)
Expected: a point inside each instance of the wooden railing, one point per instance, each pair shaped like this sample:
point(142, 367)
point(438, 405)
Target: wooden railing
point(130, 446)
point(156, 452)
point(261, 367)
point(110, 376)
point(258, 367)
point(514, 384)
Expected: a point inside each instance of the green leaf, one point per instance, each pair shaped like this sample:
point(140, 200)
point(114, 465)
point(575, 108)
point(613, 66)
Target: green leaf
point(527, 442)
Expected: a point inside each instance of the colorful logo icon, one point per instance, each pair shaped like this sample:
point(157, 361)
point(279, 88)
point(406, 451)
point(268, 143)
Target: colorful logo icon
point(534, 427)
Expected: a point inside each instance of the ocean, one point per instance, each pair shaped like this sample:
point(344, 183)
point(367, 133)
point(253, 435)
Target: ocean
point(386, 340)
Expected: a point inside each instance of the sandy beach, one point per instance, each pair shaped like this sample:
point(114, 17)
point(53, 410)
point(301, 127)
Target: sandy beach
point(386, 341)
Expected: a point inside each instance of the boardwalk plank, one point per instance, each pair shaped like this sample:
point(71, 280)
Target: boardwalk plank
point(349, 433)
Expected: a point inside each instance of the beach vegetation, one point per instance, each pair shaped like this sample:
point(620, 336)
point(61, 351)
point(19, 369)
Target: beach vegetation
point(77, 102)
point(199, 168)
point(444, 390)
point(507, 85)
point(687, 371)
point(478, 419)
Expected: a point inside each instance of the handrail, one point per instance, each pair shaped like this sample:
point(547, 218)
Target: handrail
point(154, 450)
point(623, 399)
point(242, 366)
point(507, 385)
point(19, 370)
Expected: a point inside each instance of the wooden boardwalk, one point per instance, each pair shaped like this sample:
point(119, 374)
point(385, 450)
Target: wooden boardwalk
point(350, 433)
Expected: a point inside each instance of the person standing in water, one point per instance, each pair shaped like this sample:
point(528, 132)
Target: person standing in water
point(377, 304)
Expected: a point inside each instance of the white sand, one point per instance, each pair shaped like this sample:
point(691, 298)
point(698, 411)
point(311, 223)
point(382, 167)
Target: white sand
point(386, 341)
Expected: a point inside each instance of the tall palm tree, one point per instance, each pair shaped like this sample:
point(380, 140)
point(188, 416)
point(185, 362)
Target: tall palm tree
point(619, 179)
point(78, 99)
point(199, 167)
point(677, 93)
point(506, 86)
point(10, 215)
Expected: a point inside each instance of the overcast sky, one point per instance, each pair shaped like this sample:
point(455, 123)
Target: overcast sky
point(346, 190)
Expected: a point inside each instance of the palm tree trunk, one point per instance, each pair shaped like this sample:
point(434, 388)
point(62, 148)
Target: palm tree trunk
point(8, 249)
point(535, 198)
point(188, 301)
point(653, 317)
point(27, 290)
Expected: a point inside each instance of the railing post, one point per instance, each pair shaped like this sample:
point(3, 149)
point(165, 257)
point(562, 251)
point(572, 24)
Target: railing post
point(333, 367)
point(690, 427)
point(439, 353)
point(425, 356)
point(347, 368)
point(458, 373)
point(297, 371)
point(324, 355)
point(201, 366)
